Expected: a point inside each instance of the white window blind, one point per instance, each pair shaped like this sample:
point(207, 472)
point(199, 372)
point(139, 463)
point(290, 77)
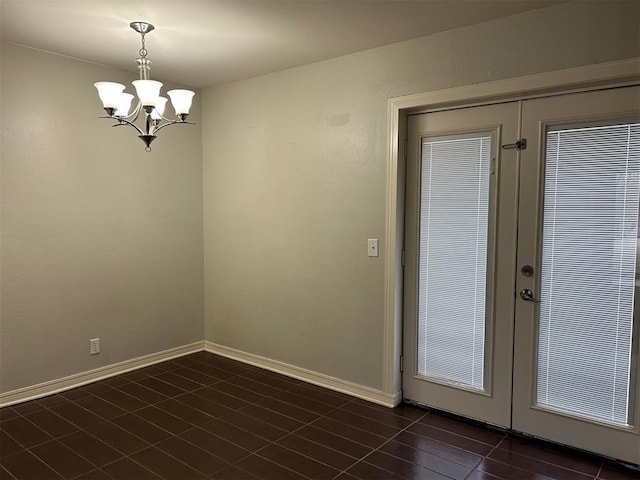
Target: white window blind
point(454, 213)
point(588, 281)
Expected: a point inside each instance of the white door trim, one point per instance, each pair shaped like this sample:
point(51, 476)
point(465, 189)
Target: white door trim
point(577, 79)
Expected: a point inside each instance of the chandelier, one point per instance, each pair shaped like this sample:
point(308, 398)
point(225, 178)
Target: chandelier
point(117, 103)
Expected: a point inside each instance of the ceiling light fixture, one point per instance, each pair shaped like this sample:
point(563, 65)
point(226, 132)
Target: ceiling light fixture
point(117, 103)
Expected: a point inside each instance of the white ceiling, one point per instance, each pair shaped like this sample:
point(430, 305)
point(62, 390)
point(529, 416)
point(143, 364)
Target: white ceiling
point(201, 43)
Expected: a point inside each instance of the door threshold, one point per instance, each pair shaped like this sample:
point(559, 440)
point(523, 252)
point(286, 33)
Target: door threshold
point(537, 441)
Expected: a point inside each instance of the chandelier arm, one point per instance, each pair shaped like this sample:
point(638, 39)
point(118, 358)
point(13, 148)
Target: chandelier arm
point(172, 122)
point(124, 121)
point(133, 116)
point(162, 117)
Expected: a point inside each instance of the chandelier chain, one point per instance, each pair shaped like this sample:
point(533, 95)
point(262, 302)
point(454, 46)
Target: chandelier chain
point(143, 51)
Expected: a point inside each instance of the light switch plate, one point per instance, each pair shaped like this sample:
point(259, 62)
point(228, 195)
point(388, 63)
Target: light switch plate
point(372, 247)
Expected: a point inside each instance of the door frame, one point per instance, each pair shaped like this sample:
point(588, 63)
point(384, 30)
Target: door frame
point(571, 80)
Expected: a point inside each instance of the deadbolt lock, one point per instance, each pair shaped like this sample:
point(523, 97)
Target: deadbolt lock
point(526, 270)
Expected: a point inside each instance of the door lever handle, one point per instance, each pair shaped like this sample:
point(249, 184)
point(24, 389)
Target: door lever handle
point(527, 295)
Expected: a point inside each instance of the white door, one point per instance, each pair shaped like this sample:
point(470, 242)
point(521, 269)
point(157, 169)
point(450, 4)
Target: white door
point(521, 264)
point(459, 266)
point(576, 351)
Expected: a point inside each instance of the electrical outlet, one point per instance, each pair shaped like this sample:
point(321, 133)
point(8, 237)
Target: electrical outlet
point(94, 346)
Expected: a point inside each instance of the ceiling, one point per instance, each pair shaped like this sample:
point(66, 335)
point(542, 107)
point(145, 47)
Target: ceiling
point(200, 43)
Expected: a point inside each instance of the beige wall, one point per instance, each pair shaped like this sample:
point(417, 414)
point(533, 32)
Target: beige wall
point(99, 238)
point(295, 177)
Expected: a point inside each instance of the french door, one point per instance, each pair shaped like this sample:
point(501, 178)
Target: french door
point(521, 275)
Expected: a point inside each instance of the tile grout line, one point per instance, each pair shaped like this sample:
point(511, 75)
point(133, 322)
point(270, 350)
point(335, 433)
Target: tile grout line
point(406, 429)
point(256, 452)
point(377, 449)
point(418, 420)
point(599, 471)
point(249, 452)
point(557, 465)
point(126, 457)
point(270, 442)
point(59, 438)
point(132, 412)
point(311, 424)
point(485, 457)
point(227, 464)
point(32, 446)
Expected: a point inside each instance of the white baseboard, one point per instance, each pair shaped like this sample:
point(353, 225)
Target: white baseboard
point(72, 381)
point(397, 398)
point(78, 379)
point(320, 379)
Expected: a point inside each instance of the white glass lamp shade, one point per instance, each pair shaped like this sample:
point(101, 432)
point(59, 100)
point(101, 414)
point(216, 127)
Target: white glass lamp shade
point(159, 110)
point(148, 91)
point(109, 93)
point(124, 104)
point(181, 100)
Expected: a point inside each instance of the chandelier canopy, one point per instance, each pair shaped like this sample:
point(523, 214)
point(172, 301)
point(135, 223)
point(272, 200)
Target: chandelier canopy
point(117, 103)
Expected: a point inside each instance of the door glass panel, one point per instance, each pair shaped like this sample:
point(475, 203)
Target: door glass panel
point(452, 278)
point(588, 279)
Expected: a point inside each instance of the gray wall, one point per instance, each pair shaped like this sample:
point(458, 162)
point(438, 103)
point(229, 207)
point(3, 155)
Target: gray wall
point(295, 178)
point(99, 238)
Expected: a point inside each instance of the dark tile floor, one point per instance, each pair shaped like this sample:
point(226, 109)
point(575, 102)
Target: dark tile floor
point(204, 416)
